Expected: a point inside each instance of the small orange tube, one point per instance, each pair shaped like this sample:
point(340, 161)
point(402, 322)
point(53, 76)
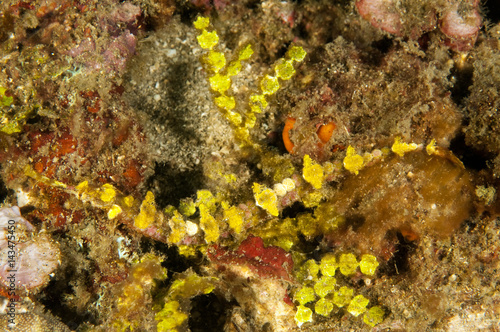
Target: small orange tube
point(325, 131)
point(289, 123)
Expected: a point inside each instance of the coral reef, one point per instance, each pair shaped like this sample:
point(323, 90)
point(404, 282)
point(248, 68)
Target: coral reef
point(249, 165)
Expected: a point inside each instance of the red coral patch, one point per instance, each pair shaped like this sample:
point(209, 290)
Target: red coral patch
point(266, 261)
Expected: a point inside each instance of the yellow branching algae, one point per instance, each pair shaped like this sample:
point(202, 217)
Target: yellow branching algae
point(343, 296)
point(348, 264)
point(325, 286)
point(208, 39)
point(368, 265)
point(308, 271)
point(328, 265)
point(319, 282)
point(241, 119)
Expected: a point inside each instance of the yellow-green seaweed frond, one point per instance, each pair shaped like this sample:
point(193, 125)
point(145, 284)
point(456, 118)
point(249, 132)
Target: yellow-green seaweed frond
point(303, 315)
point(266, 198)
point(323, 307)
point(374, 316)
point(357, 305)
point(348, 264)
point(312, 172)
point(368, 264)
point(343, 296)
point(146, 216)
point(400, 148)
point(353, 162)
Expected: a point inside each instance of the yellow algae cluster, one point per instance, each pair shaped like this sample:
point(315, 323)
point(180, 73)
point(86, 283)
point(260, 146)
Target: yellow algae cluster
point(12, 120)
point(400, 148)
point(209, 216)
point(234, 217)
point(220, 80)
point(108, 198)
point(353, 162)
point(312, 172)
point(174, 313)
point(146, 216)
point(266, 198)
point(321, 288)
point(215, 216)
point(133, 294)
point(432, 148)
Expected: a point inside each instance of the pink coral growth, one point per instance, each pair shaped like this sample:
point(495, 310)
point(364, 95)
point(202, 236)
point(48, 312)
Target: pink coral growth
point(266, 261)
point(459, 22)
point(381, 14)
point(122, 24)
point(461, 30)
point(26, 259)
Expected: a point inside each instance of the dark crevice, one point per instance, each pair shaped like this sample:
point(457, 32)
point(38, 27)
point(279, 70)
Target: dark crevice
point(187, 11)
point(491, 9)
point(310, 247)
point(463, 80)
point(174, 262)
point(355, 221)
point(295, 209)
point(469, 225)
point(171, 185)
point(3, 190)
point(399, 263)
point(208, 313)
point(379, 49)
point(471, 158)
point(54, 297)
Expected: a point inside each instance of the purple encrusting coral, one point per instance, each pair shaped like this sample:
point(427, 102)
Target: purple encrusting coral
point(459, 21)
point(26, 258)
point(122, 25)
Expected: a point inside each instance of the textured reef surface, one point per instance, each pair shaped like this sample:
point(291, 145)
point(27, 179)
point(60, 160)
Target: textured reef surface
point(249, 165)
